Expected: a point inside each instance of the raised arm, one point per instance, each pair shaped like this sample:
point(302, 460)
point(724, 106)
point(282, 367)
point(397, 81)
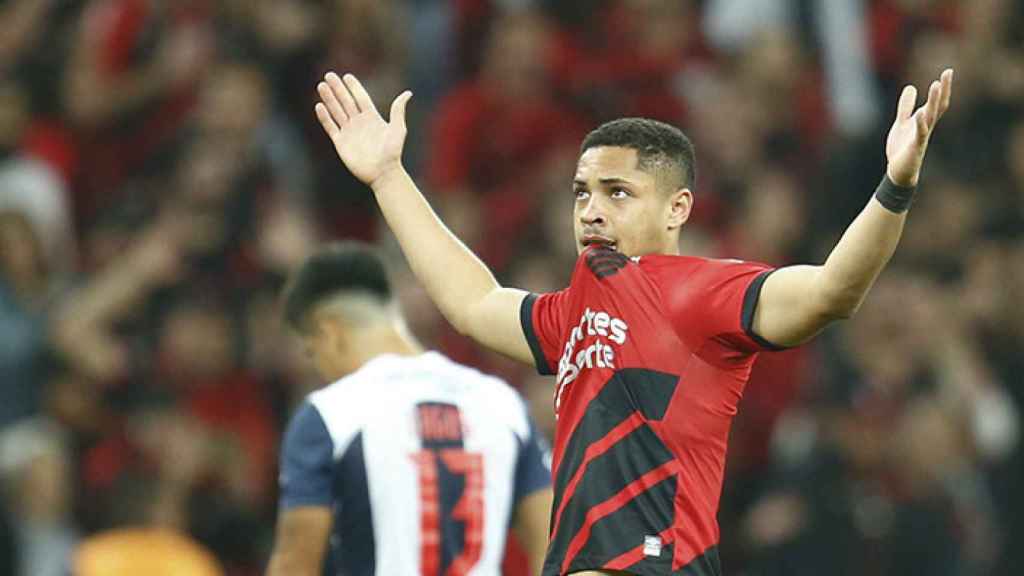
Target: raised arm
point(797, 302)
point(458, 282)
point(301, 542)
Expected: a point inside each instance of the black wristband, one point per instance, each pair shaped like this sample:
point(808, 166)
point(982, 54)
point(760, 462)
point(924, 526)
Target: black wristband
point(895, 198)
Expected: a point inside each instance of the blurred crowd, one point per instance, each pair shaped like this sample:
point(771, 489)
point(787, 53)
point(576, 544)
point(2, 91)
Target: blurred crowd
point(161, 171)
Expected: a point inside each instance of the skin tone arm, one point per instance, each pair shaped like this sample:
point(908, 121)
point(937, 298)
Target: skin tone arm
point(797, 302)
point(531, 525)
point(301, 542)
point(93, 98)
point(23, 23)
point(460, 284)
point(81, 325)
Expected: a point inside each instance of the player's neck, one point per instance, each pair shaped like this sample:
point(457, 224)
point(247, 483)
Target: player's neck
point(387, 339)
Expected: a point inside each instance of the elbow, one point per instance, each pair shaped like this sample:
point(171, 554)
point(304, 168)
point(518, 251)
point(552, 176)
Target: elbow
point(466, 319)
point(838, 298)
point(461, 323)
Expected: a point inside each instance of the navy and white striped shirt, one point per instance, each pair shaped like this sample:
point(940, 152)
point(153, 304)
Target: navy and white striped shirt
point(422, 461)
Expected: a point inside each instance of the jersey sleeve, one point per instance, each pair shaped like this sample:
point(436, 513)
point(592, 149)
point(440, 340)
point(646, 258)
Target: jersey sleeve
point(716, 301)
point(307, 457)
point(543, 318)
point(533, 469)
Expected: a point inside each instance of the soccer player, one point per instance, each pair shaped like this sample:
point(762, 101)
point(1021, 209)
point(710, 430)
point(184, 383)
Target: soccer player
point(650, 349)
point(408, 463)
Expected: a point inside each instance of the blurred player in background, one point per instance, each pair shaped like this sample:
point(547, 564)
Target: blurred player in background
point(651, 349)
point(408, 463)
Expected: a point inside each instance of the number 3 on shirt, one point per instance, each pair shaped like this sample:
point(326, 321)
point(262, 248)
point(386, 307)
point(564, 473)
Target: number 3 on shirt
point(440, 426)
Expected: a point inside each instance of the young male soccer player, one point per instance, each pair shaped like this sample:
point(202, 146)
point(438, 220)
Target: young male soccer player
point(408, 463)
point(650, 349)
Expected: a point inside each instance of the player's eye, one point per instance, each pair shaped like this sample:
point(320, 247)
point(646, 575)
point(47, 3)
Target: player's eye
point(581, 194)
point(619, 192)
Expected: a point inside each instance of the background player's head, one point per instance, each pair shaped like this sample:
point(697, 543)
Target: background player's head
point(633, 187)
point(341, 303)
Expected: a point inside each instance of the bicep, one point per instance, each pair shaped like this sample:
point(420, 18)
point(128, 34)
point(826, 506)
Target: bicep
point(495, 323)
point(301, 541)
point(789, 310)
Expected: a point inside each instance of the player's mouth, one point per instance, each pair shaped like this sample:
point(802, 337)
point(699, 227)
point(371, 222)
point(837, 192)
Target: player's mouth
point(597, 240)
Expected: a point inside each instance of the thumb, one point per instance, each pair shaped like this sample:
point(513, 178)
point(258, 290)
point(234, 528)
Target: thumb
point(397, 117)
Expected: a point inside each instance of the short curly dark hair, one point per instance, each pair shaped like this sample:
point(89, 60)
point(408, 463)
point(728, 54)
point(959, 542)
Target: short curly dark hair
point(335, 268)
point(659, 146)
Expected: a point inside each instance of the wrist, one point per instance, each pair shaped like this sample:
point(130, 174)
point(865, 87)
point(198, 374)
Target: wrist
point(900, 180)
point(387, 176)
point(894, 197)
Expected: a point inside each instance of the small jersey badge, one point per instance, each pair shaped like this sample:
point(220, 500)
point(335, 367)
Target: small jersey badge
point(652, 546)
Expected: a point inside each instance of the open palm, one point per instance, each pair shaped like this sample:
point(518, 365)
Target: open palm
point(908, 137)
point(367, 144)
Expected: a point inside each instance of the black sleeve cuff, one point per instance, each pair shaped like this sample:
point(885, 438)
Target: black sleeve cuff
point(526, 320)
point(750, 299)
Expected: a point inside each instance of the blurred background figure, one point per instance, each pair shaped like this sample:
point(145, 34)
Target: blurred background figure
point(37, 484)
point(161, 172)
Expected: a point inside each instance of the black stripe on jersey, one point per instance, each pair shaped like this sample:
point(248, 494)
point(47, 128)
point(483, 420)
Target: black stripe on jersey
point(354, 523)
point(628, 391)
point(648, 514)
point(526, 320)
point(750, 299)
point(707, 564)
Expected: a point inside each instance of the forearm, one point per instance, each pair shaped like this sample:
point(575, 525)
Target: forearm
point(531, 526)
point(93, 100)
point(81, 323)
point(861, 254)
point(300, 542)
point(290, 565)
point(453, 276)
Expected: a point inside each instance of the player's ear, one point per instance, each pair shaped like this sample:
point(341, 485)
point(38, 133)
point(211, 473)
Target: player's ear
point(326, 328)
point(680, 204)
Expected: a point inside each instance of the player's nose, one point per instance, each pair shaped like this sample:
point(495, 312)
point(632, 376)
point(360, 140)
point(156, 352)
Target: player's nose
point(592, 212)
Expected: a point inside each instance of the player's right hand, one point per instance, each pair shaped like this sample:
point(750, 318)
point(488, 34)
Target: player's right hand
point(368, 145)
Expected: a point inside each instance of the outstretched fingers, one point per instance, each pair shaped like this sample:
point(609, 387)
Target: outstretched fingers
point(362, 97)
point(923, 127)
point(342, 94)
point(906, 104)
point(326, 120)
point(932, 105)
point(331, 103)
point(947, 90)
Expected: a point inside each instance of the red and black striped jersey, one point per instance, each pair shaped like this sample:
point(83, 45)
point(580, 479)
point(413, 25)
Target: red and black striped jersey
point(651, 356)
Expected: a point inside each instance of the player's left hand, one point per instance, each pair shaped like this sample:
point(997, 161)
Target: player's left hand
point(908, 137)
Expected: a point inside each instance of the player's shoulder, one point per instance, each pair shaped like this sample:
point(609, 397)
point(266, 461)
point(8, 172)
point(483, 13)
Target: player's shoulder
point(681, 266)
point(486, 394)
point(348, 404)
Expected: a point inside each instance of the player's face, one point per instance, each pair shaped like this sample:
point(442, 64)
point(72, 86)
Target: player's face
point(620, 206)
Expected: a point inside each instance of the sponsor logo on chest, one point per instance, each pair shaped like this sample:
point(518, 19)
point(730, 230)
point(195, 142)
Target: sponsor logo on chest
point(606, 331)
